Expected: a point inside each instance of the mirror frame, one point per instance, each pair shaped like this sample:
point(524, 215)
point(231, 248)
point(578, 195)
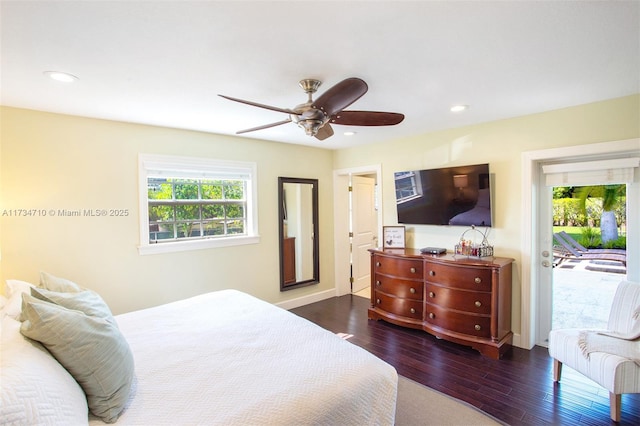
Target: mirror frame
point(316, 246)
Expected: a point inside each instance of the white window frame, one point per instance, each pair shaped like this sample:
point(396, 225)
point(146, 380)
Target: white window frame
point(416, 186)
point(195, 167)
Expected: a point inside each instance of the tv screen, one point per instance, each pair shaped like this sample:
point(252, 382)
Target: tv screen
point(459, 196)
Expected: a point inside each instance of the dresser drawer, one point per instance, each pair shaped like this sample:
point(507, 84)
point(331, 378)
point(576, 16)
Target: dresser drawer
point(473, 325)
point(398, 287)
point(396, 305)
point(459, 276)
point(476, 302)
point(403, 268)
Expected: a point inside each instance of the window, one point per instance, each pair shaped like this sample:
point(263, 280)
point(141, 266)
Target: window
point(408, 186)
point(193, 203)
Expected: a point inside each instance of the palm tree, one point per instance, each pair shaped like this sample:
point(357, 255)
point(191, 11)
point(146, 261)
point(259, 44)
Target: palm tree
point(610, 195)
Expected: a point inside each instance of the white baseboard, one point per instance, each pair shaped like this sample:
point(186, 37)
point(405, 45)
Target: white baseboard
point(305, 300)
point(517, 341)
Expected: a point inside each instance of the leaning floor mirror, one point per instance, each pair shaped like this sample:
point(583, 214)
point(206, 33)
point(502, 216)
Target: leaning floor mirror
point(298, 216)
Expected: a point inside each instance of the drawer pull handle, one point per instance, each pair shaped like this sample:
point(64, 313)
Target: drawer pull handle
point(477, 327)
point(378, 283)
point(412, 290)
point(432, 273)
point(413, 270)
point(432, 315)
point(478, 303)
point(478, 280)
point(378, 301)
point(432, 294)
point(413, 311)
point(378, 264)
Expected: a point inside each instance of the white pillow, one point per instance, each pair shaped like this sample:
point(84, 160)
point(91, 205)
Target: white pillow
point(36, 389)
point(13, 305)
point(17, 286)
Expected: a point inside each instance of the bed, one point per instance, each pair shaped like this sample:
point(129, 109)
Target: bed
point(220, 358)
point(479, 215)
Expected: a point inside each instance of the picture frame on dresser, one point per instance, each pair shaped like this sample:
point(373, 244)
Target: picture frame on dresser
point(393, 236)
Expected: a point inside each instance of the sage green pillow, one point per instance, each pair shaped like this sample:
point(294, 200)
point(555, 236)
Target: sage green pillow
point(86, 301)
point(91, 348)
point(51, 282)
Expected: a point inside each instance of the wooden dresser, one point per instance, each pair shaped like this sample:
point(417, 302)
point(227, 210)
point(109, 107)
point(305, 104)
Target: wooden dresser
point(456, 298)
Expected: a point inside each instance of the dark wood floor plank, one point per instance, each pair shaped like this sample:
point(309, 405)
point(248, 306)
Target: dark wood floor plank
point(517, 389)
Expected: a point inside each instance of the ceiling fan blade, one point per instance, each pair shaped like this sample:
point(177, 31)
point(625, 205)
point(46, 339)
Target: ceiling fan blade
point(272, 108)
point(367, 118)
point(324, 132)
point(266, 126)
point(341, 95)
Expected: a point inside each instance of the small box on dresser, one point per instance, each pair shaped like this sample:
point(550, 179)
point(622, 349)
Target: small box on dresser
point(456, 298)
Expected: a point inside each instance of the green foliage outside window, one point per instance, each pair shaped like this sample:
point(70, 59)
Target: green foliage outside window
point(195, 208)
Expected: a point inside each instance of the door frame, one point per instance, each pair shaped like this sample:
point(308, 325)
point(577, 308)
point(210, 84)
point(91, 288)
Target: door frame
point(341, 241)
point(530, 250)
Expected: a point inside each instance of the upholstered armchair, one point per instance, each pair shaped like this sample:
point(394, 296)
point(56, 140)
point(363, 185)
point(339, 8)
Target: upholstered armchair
point(609, 357)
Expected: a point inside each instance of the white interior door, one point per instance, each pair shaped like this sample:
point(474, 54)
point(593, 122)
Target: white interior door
point(364, 226)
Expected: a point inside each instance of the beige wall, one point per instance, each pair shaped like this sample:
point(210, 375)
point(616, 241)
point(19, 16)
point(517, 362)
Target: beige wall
point(501, 144)
point(52, 161)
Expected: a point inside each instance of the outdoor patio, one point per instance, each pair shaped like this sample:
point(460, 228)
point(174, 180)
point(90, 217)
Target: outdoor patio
point(583, 292)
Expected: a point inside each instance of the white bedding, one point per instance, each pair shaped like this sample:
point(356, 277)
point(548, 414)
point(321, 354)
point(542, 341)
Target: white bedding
point(227, 358)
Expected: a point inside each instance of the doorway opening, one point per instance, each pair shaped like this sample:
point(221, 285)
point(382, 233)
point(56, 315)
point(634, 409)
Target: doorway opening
point(357, 223)
point(363, 230)
point(539, 167)
point(589, 246)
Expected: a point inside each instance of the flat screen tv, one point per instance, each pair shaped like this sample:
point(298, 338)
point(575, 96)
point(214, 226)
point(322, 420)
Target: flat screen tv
point(458, 196)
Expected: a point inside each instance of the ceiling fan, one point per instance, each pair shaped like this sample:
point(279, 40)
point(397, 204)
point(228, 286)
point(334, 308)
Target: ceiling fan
point(316, 117)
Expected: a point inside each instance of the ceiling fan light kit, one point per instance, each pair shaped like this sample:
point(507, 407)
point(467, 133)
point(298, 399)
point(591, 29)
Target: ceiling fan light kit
point(316, 117)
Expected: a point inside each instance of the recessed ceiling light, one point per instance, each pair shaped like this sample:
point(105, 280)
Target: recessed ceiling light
point(61, 76)
point(350, 133)
point(459, 108)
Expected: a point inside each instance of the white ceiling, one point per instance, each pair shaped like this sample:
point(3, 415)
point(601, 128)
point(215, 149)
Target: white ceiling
point(164, 62)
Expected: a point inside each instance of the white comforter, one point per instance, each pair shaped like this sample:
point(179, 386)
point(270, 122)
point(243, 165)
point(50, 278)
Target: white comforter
point(227, 358)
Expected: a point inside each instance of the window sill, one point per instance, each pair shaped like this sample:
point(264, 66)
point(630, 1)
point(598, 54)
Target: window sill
point(179, 246)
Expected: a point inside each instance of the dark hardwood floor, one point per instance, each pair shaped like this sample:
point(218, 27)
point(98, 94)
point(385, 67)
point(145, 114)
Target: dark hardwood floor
point(517, 389)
